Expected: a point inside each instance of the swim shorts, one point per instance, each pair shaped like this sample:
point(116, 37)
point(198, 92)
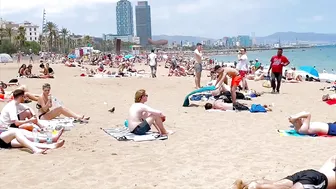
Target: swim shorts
point(142, 128)
point(236, 80)
point(198, 67)
point(332, 129)
point(3, 144)
point(309, 179)
point(242, 73)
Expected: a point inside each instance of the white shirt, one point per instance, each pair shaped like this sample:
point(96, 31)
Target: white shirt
point(243, 63)
point(152, 58)
point(198, 56)
point(9, 113)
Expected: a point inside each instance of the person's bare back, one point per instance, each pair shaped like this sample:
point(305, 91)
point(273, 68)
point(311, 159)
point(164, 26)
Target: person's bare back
point(136, 115)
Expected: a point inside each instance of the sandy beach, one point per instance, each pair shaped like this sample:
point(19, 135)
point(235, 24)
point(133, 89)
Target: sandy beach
point(208, 150)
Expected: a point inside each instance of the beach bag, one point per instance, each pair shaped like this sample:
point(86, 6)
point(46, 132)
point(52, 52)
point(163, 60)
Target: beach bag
point(267, 84)
point(256, 108)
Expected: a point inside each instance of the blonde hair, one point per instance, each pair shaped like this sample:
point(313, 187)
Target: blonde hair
point(139, 94)
point(46, 86)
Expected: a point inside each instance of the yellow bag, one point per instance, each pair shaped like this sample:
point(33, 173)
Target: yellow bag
point(267, 84)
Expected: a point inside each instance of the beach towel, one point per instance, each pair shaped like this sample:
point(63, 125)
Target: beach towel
point(294, 133)
point(56, 124)
point(215, 110)
point(256, 108)
point(186, 102)
point(331, 102)
point(123, 134)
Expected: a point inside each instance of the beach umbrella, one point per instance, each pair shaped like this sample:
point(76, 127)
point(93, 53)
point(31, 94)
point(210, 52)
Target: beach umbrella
point(310, 70)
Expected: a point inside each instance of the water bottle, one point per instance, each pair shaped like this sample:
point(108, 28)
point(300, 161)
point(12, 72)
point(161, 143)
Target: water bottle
point(35, 135)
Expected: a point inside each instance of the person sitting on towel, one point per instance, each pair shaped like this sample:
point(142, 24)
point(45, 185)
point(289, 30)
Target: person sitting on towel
point(324, 178)
point(303, 125)
point(142, 117)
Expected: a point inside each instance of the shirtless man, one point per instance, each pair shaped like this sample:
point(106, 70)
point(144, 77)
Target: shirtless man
point(198, 65)
point(303, 125)
point(141, 116)
point(223, 72)
point(324, 178)
point(218, 105)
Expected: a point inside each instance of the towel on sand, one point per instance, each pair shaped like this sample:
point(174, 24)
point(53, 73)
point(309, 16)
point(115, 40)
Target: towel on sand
point(331, 102)
point(203, 89)
point(294, 133)
point(56, 124)
point(123, 134)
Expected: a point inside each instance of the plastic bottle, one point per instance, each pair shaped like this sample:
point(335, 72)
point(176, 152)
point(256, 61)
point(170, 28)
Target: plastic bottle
point(35, 135)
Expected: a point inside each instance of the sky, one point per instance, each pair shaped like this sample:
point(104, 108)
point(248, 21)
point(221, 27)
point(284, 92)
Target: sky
point(203, 18)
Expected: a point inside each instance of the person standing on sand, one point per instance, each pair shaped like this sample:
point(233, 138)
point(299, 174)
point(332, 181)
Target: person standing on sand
point(277, 63)
point(198, 65)
point(242, 66)
point(152, 57)
point(142, 117)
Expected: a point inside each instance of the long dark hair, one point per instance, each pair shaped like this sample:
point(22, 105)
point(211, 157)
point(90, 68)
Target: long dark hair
point(23, 65)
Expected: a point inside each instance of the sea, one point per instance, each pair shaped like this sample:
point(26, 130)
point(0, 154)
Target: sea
point(323, 58)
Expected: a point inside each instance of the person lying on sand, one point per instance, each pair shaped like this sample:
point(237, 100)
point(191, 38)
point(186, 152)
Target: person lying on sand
point(324, 178)
point(258, 74)
point(178, 71)
point(303, 125)
point(18, 115)
point(44, 104)
point(14, 138)
point(221, 105)
point(9, 94)
point(142, 117)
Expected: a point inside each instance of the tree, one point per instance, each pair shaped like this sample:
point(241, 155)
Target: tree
point(9, 34)
point(87, 40)
point(51, 30)
point(64, 33)
point(21, 37)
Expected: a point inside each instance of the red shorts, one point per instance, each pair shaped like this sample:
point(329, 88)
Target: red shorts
point(242, 73)
point(236, 80)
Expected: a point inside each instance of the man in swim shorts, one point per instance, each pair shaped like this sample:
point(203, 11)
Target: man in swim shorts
point(303, 125)
point(223, 72)
point(141, 116)
point(324, 178)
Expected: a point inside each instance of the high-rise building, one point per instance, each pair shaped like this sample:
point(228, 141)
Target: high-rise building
point(143, 22)
point(244, 41)
point(124, 14)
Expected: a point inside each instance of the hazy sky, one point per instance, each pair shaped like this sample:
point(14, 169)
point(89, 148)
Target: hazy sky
point(206, 18)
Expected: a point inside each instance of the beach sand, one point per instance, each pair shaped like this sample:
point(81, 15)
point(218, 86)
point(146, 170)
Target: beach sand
point(208, 150)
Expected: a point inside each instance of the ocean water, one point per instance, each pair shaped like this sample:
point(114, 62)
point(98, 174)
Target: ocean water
point(320, 57)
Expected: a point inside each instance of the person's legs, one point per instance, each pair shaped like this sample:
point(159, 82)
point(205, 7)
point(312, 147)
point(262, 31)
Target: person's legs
point(25, 114)
point(21, 140)
point(273, 82)
point(154, 70)
point(31, 96)
point(157, 122)
point(60, 111)
point(42, 138)
point(233, 94)
point(264, 184)
point(198, 80)
point(278, 78)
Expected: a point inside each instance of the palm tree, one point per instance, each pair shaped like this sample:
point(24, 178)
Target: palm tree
point(51, 28)
point(9, 33)
point(21, 37)
point(64, 32)
point(2, 33)
point(87, 40)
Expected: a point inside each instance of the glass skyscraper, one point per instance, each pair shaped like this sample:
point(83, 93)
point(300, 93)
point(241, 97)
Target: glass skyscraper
point(143, 22)
point(124, 14)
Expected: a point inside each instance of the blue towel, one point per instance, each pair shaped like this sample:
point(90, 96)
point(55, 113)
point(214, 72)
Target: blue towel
point(255, 108)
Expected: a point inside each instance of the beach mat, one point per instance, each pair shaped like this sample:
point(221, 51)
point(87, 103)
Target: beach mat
point(294, 133)
point(58, 123)
point(331, 102)
point(203, 89)
point(123, 134)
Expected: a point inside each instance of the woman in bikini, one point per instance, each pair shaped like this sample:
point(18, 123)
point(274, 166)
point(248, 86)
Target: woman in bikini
point(44, 104)
point(22, 69)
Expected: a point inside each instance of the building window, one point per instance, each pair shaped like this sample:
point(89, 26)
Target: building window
point(34, 29)
point(30, 33)
point(30, 38)
point(35, 38)
point(35, 33)
point(29, 29)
